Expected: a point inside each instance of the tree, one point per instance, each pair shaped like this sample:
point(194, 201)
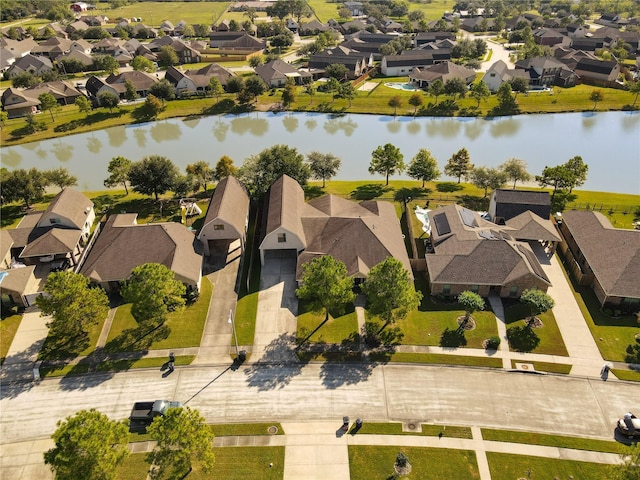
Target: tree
point(629, 468)
point(310, 90)
point(506, 100)
point(73, 305)
point(259, 171)
point(436, 89)
point(60, 177)
point(557, 177)
point(154, 291)
point(142, 64)
point(153, 175)
point(162, 90)
point(415, 101)
point(108, 100)
point(184, 441)
point(390, 291)
point(152, 106)
point(516, 169)
point(188, 31)
point(337, 71)
point(83, 104)
point(235, 85)
point(215, 87)
point(130, 92)
point(24, 80)
point(479, 91)
point(487, 178)
point(224, 168)
point(201, 172)
point(118, 169)
point(459, 164)
point(28, 186)
point(48, 102)
point(255, 86)
point(279, 9)
point(251, 13)
point(289, 93)
point(88, 445)
point(323, 165)
point(455, 86)
point(537, 301)
point(106, 62)
point(423, 167)
point(635, 88)
point(185, 185)
point(326, 284)
point(395, 102)
point(519, 85)
point(34, 124)
point(577, 172)
point(596, 96)
point(386, 160)
point(167, 56)
point(348, 91)
point(471, 302)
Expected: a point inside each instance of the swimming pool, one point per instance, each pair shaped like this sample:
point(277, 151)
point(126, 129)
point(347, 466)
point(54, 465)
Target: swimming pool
point(401, 86)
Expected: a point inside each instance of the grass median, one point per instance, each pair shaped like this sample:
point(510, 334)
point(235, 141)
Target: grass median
point(505, 466)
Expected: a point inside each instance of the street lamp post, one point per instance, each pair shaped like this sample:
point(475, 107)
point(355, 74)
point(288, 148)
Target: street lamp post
point(240, 354)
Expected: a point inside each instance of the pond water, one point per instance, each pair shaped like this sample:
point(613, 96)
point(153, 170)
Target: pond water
point(608, 142)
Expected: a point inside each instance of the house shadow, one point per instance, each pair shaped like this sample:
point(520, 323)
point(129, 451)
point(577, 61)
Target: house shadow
point(277, 366)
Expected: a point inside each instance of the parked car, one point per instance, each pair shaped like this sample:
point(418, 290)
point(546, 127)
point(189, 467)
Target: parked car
point(144, 412)
point(47, 258)
point(60, 265)
point(629, 426)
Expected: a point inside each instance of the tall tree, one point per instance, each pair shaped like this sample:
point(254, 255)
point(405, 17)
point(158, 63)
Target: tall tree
point(487, 178)
point(519, 85)
point(167, 56)
point(184, 443)
point(423, 167)
point(459, 164)
point(88, 445)
point(289, 93)
point(390, 291)
point(255, 86)
point(163, 90)
point(634, 88)
point(537, 301)
point(215, 88)
point(386, 160)
point(395, 102)
point(224, 168)
point(516, 169)
point(130, 92)
point(506, 100)
point(479, 91)
point(577, 172)
point(83, 104)
point(348, 91)
point(471, 302)
point(416, 102)
point(326, 284)
point(153, 175)
point(60, 177)
point(154, 291)
point(259, 171)
point(118, 169)
point(202, 173)
point(108, 100)
point(72, 304)
point(596, 96)
point(557, 177)
point(455, 86)
point(323, 165)
point(25, 185)
point(337, 71)
point(48, 102)
point(436, 89)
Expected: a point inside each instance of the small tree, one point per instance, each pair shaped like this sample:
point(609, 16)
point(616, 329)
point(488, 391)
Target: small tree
point(577, 171)
point(596, 96)
point(459, 164)
point(60, 177)
point(255, 86)
point(337, 71)
point(387, 160)
point(154, 291)
point(323, 165)
point(471, 302)
point(48, 102)
point(224, 168)
point(88, 445)
point(108, 100)
point(26, 185)
point(289, 93)
point(162, 90)
point(390, 291)
point(519, 85)
point(215, 88)
point(130, 92)
point(416, 102)
point(201, 172)
point(184, 440)
point(629, 466)
point(142, 64)
point(119, 173)
point(538, 302)
point(487, 178)
point(423, 167)
point(395, 102)
point(152, 106)
point(455, 86)
point(635, 89)
point(326, 284)
point(348, 91)
point(83, 104)
point(167, 56)
point(310, 90)
point(479, 91)
point(516, 169)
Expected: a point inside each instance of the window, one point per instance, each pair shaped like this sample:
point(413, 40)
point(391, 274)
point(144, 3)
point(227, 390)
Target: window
point(474, 288)
point(282, 238)
point(446, 289)
point(53, 221)
point(514, 291)
point(218, 227)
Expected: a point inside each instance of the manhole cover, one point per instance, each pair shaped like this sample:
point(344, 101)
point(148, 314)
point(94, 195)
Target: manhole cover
point(412, 426)
point(272, 429)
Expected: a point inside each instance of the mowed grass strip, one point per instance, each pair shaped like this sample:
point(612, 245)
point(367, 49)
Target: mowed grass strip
point(371, 428)
point(546, 339)
point(233, 429)
point(505, 466)
point(112, 365)
point(445, 359)
point(376, 462)
point(559, 441)
point(335, 330)
point(8, 328)
point(546, 366)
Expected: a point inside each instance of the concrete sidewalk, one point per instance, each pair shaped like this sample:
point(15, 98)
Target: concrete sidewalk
point(23, 352)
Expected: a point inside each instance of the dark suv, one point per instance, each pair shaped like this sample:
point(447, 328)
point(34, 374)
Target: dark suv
point(60, 265)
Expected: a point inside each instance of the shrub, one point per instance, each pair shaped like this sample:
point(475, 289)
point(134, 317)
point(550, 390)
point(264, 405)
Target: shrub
point(492, 343)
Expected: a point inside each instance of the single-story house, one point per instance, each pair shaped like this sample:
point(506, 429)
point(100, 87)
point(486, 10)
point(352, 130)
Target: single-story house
point(277, 72)
point(122, 245)
point(445, 71)
point(244, 45)
point(603, 257)
point(192, 81)
point(116, 84)
point(228, 215)
point(19, 285)
point(422, 38)
point(470, 253)
point(20, 102)
point(403, 64)
point(33, 64)
point(357, 63)
point(500, 73)
point(359, 234)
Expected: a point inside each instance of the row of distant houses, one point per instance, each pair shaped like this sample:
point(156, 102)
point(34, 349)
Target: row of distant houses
point(469, 252)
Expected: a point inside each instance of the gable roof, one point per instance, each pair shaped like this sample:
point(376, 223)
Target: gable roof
point(522, 197)
point(230, 203)
point(613, 254)
point(71, 204)
point(285, 201)
point(529, 226)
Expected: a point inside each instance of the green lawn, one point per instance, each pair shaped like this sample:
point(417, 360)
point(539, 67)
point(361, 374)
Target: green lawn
point(323, 10)
point(559, 441)
point(376, 462)
point(112, 366)
point(504, 466)
point(335, 330)
point(444, 359)
point(612, 335)
point(55, 348)
point(181, 329)
point(448, 431)
point(153, 13)
point(8, 328)
point(232, 429)
point(546, 340)
point(232, 463)
point(547, 367)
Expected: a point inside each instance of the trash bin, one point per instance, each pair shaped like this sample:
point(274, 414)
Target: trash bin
point(242, 355)
point(358, 422)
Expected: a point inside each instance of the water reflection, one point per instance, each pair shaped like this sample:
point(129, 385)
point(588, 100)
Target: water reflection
point(220, 130)
point(336, 124)
point(192, 122)
point(443, 127)
point(94, 145)
point(165, 131)
point(630, 120)
point(117, 136)
point(414, 128)
point(311, 125)
point(256, 126)
point(473, 130)
point(141, 137)
point(11, 158)
point(290, 123)
point(62, 151)
point(41, 154)
point(504, 127)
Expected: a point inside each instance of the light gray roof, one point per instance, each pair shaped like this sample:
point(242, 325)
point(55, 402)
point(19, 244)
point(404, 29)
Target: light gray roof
point(230, 203)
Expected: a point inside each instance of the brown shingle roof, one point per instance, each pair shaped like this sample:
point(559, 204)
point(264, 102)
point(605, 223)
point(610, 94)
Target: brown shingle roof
point(529, 226)
point(71, 204)
point(230, 203)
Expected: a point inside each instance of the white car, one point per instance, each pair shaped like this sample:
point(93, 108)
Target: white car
point(629, 426)
point(47, 258)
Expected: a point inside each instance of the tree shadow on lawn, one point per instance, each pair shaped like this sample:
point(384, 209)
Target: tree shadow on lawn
point(453, 338)
point(277, 366)
point(448, 187)
point(409, 194)
point(59, 346)
point(369, 191)
point(138, 339)
point(10, 213)
point(313, 191)
point(148, 208)
point(522, 338)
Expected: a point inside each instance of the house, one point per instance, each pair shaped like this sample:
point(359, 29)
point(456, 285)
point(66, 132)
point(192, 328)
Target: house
point(571, 57)
point(219, 37)
point(314, 27)
point(244, 45)
point(116, 84)
point(444, 71)
point(357, 63)
point(470, 253)
point(550, 37)
point(500, 73)
point(403, 64)
point(277, 72)
point(86, 59)
point(20, 102)
point(422, 38)
point(227, 217)
point(356, 9)
point(36, 65)
point(605, 258)
point(597, 71)
point(197, 81)
point(588, 44)
point(366, 42)
point(18, 48)
point(60, 232)
point(19, 285)
point(506, 204)
point(359, 234)
point(76, 27)
point(54, 47)
point(78, 7)
point(477, 24)
point(547, 71)
point(122, 245)
point(185, 53)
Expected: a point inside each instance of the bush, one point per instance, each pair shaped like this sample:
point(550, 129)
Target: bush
point(492, 343)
